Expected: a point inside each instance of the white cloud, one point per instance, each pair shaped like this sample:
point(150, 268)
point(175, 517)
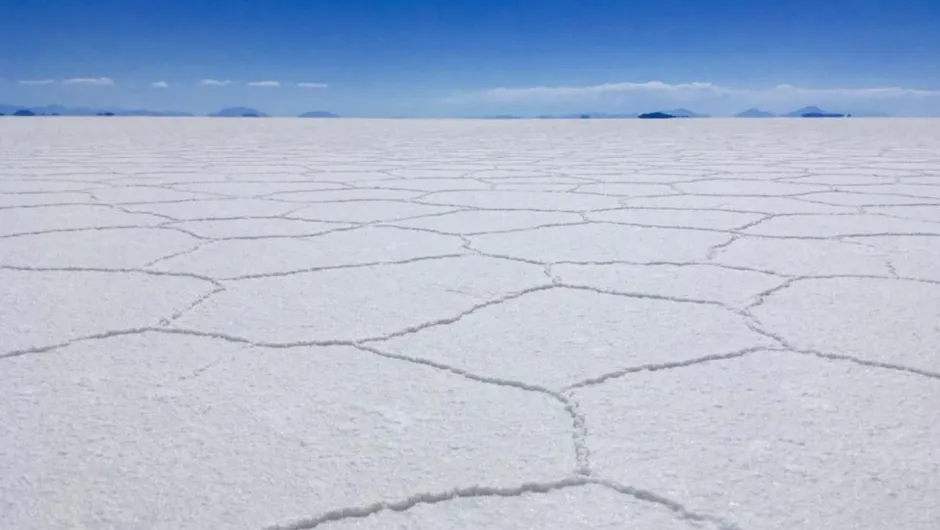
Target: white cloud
point(214, 82)
point(873, 93)
point(36, 82)
point(160, 84)
point(91, 81)
point(695, 90)
point(271, 84)
point(312, 85)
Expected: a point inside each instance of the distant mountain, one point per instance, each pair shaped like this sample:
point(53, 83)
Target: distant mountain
point(496, 117)
point(657, 116)
point(150, 113)
point(238, 112)
point(603, 116)
point(822, 115)
point(684, 113)
point(59, 110)
point(754, 113)
point(805, 110)
point(318, 114)
point(814, 111)
point(587, 115)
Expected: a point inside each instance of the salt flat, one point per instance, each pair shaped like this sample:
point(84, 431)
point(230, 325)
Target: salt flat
point(363, 324)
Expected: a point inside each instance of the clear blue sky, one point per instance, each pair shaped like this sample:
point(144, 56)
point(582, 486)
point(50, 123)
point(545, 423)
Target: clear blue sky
point(445, 57)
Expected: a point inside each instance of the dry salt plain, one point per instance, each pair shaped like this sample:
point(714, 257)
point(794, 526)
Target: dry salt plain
point(228, 324)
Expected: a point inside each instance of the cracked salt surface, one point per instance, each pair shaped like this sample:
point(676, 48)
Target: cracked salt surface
point(469, 324)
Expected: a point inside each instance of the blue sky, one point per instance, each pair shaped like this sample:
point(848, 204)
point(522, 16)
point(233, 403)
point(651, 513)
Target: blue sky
point(453, 57)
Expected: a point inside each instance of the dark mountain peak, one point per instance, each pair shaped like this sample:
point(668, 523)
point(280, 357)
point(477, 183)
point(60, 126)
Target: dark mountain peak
point(656, 116)
point(812, 109)
point(238, 112)
point(823, 115)
point(318, 114)
point(684, 113)
point(754, 113)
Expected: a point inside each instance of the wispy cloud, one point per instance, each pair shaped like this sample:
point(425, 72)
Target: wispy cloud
point(160, 84)
point(214, 82)
point(270, 84)
point(313, 85)
point(90, 81)
point(685, 90)
point(36, 82)
point(873, 92)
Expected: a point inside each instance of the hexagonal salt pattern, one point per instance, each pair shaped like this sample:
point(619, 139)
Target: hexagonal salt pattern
point(560, 337)
point(767, 438)
point(874, 319)
point(296, 324)
point(175, 431)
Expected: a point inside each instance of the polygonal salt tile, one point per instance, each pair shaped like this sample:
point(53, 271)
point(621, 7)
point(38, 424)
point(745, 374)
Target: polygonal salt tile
point(840, 225)
point(40, 199)
point(427, 185)
point(838, 167)
point(165, 431)
point(256, 168)
point(591, 243)
point(531, 188)
point(705, 219)
point(851, 198)
point(517, 200)
point(775, 441)
point(367, 211)
point(69, 217)
point(537, 180)
point(880, 320)
point(696, 282)
point(510, 176)
point(359, 303)
point(143, 194)
point(255, 189)
point(37, 185)
point(731, 187)
point(368, 194)
point(168, 179)
point(256, 228)
point(843, 180)
point(627, 189)
point(909, 190)
point(767, 205)
point(651, 177)
point(236, 258)
point(419, 173)
point(560, 337)
point(349, 176)
point(919, 213)
point(802, 257)
point(587, 507)
point(115, 248)
point(216, 209)
point(481, 221)
point(754, 169)
point(911, 256)
point(43, 308)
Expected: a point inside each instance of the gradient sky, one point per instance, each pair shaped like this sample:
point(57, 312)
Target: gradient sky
point(446, 57)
